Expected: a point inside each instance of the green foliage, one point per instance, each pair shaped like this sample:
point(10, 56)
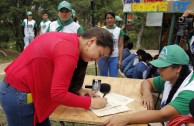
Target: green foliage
point(150, 38)
point(14, 11)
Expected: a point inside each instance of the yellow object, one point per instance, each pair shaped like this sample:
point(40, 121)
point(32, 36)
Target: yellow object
point(29, 98)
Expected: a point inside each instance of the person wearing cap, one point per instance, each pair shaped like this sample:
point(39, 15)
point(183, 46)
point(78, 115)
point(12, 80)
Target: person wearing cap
point(118, 22)
point(176, 83)
point(65, 22)
point(29, 29)
point(44, 24)
point(111, 66)
point(35, 85)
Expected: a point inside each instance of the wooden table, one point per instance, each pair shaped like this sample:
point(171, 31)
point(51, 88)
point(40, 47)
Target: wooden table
point(124, 86)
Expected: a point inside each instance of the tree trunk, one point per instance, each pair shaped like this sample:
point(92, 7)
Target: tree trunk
point(139, 36)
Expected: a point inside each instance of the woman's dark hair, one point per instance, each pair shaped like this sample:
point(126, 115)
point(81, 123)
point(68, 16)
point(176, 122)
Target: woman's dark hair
point(183, 74)
point(104, 37)
point(109, 12)
point(140, 52)
point(146, 56)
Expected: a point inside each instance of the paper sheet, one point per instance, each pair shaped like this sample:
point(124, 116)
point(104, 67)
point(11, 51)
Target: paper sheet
point(116, 104)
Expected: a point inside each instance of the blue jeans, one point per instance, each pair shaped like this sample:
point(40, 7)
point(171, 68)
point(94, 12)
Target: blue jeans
point(14, 104)
point(27, 40)
point(109, 66)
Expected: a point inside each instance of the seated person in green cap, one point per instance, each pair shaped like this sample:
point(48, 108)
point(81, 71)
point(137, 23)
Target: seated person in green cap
point(176, 83)
point(65, 22)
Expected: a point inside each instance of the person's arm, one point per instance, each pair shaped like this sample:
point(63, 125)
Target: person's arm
point(146, 116)
point(63, 83)
point(120, 45)
point(146, 90)
point(187, 13)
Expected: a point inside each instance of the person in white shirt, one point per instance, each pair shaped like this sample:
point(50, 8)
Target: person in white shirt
point(44, 24)
point(65, 22)
point(29, 30)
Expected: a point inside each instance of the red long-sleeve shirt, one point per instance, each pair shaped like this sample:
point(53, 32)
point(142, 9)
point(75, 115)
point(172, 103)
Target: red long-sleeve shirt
point(45, 68)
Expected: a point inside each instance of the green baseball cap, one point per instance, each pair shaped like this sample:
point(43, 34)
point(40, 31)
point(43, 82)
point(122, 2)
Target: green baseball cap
point(118, 18)
point(29, 13)
point(172, 54)
point(64, 4)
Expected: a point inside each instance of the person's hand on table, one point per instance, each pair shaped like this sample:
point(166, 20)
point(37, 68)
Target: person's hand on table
point(98, 102)
point(118, 120)
point(84, 92)
point(148, 101)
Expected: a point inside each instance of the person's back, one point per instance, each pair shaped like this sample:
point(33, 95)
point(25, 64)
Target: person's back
point(34, 72)
point(128, 70)
point(126, 61)
point(140, 69)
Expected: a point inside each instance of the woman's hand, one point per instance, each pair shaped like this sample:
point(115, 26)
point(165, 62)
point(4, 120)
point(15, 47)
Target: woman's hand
point(84, 92)
point(119, 64)
point(98, 102)
point(148, 101)
point(119, 120)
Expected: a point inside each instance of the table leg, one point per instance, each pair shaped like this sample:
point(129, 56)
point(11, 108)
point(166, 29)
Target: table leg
point(63, 123)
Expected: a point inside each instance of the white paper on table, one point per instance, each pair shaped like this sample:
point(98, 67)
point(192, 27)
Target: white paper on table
point(116, 103)
point(113, 110)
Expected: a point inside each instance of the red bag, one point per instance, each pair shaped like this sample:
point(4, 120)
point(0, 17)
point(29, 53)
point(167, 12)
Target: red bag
point(177, 121)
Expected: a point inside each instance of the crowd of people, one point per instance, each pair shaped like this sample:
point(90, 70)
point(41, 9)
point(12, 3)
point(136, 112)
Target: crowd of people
point(51, 70)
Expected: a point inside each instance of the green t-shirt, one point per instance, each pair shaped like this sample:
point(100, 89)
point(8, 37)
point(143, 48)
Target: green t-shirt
point(181, 102)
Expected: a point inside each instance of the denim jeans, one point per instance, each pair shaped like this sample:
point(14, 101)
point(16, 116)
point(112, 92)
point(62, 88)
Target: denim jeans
point(27, 40)
point(14, 104)
point(110, 66)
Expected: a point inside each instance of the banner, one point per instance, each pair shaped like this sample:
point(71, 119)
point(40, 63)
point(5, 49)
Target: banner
point(168, 6)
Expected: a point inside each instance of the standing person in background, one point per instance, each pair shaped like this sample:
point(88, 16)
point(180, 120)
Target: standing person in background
point(118, 22)
point(44, 24)
point(35, 85)
point(65, 22)
point(176, 81)
point(111, 65)
point(29, 29)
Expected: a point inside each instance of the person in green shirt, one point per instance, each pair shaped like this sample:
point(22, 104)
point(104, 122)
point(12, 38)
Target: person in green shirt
point(175, 82)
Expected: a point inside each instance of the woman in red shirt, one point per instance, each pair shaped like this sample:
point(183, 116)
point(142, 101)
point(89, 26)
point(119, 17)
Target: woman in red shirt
point(49, 72)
